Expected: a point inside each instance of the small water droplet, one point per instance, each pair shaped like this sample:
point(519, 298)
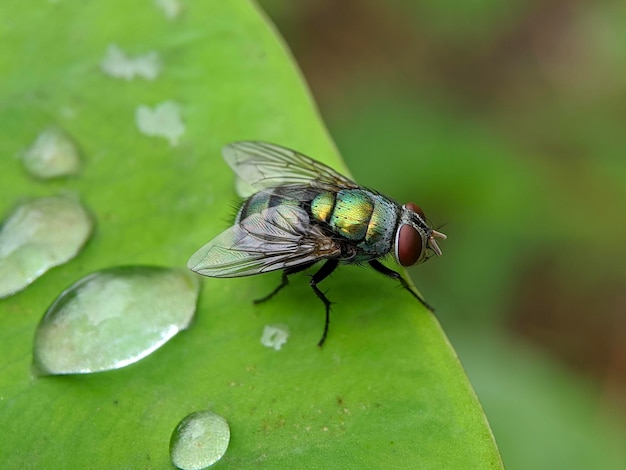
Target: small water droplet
point(199, 440)
point(113, 318)
point(118, 65)
point(38, 235)
point(274, 336)
point(53, 154)
point(163, 121)
point(171, 8)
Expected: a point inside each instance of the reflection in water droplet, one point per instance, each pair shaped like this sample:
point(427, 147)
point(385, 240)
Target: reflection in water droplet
point(38, 235)
point(52, 154)
point(117, 64)
point(274, 336)
point(113, 318)
point(163, 121)
point(199, 440)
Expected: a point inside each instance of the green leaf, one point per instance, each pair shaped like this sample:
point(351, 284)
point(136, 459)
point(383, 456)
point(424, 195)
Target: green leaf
point(385, 391)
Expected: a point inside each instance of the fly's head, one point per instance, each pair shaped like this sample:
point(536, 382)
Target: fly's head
point(414, 237)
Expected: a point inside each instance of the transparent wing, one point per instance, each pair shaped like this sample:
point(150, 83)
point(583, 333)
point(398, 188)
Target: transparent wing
point(265, 165)
point(277, 238)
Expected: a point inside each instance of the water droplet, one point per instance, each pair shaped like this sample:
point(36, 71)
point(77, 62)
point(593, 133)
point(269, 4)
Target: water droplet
point(53, 154)
point(163, 121)
point(199, 440)
point(274, 336)
point(117, 64)
point(171, 8)
point(113, 318)
point(38, 235)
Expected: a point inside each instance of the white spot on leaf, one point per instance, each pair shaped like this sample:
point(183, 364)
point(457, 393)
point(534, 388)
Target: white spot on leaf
point(162, 121)
point(171, 8)
point(274, 336)
point(117, 64)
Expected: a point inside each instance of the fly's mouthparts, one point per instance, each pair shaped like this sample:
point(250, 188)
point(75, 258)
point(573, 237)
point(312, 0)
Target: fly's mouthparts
point(433, 243)
point(436, 234)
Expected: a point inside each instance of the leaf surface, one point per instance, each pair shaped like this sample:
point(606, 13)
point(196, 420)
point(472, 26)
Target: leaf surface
point(385, 391)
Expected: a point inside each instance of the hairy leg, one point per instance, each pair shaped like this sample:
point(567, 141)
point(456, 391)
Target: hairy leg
point(318, 277)
point(284, 281)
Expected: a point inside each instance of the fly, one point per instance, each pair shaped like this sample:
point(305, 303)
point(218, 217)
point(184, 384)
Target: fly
point(305, 212)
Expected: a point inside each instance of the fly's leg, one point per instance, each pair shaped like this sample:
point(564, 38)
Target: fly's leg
point(282, 284)
point(284, 281)
point(318, 277)
point(381, 268)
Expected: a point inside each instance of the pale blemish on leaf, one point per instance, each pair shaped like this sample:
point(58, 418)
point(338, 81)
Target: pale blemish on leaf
point(170, 8)
point(117, 64)
point(162, 121)
point(275, 336)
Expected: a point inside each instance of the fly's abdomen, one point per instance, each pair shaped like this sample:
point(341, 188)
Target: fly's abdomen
point(346, 212)
point(322, 206)
point(365, 218)
point(262, 200)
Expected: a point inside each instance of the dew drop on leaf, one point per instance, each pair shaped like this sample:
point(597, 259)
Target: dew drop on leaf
point(53, 154)
point(113, 318)
point(38, 235)
point(199, 440)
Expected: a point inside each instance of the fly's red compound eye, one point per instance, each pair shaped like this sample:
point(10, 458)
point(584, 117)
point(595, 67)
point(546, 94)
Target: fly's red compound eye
point(415, 208)
point(408, 245)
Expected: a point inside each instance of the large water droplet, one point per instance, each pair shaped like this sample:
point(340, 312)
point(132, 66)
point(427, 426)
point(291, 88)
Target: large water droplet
point(117, 64)
point(52, 154)
point(113, 318)
point(38, 235)
point(199, 440)
point(274, 336)
point(162, 121)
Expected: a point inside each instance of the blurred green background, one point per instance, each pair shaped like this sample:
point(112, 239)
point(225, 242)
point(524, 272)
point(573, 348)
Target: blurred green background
point(505, 121)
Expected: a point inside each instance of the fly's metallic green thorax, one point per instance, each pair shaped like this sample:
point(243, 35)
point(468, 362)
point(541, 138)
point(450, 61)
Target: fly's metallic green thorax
point(304, 212)
point(382, 225)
